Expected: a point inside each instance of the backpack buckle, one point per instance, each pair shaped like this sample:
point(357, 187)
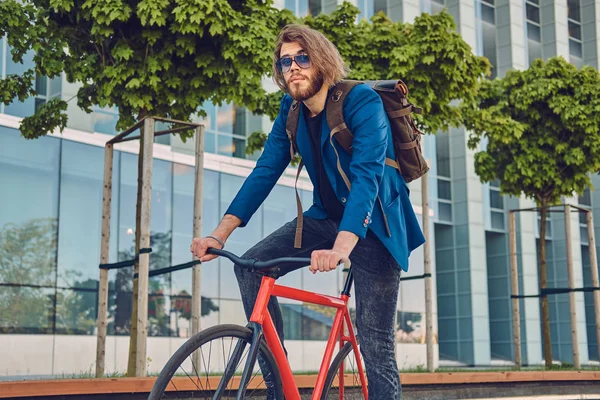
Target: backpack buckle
point(336, 96)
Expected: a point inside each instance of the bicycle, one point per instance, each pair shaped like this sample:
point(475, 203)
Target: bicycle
point(264, 345)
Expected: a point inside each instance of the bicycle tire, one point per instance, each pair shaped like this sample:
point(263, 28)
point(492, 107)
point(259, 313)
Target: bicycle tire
point(203, 337)
point(333, 371)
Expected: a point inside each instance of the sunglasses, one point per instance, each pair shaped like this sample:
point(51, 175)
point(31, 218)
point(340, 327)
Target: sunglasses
point(284, 64)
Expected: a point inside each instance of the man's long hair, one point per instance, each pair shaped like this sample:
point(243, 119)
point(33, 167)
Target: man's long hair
point(324, 56)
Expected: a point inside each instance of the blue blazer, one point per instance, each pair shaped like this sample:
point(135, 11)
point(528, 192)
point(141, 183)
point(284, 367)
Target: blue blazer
point(378, 192)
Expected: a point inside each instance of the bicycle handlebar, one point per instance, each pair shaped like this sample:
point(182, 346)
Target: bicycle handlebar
point(259, 265)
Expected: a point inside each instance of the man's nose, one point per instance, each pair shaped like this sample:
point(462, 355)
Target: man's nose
point(294, 66)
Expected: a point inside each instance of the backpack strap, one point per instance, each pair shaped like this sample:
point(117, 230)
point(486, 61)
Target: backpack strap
point(291, 127)
point(335, 113)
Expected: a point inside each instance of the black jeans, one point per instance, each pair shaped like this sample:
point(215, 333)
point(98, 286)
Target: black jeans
point(376, 284)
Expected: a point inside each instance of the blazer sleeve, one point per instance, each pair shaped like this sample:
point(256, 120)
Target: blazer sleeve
point(269, 167)
point(366, 119)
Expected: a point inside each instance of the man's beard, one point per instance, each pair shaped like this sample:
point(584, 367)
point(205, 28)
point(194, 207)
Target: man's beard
point(314, 85)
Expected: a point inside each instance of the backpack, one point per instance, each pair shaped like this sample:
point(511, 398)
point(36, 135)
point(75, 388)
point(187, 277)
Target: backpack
point(409, 161)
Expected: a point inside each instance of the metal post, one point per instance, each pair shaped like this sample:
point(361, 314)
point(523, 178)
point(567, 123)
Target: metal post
point(198, 190)
point(104, 253)
point(514, 279)
point(572, 300)
point(427, 271)
point(594, 269)
point(144, 259)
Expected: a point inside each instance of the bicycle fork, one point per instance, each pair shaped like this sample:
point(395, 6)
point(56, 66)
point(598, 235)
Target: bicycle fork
point(238, 351)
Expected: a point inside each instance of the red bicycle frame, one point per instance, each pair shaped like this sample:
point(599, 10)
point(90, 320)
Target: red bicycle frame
point(260, 315)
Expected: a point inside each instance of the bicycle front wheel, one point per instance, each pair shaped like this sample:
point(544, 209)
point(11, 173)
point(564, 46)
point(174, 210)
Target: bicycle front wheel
point(213, 360)
point(349, 387)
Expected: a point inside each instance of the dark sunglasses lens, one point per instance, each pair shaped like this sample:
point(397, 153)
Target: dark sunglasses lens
point(303, 61)
point(284, 64)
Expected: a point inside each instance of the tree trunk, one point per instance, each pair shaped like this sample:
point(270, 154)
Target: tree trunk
point(543, 284)
point(131, 363)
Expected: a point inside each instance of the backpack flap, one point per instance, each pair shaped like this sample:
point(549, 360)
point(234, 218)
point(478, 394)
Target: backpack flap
point(407, 137)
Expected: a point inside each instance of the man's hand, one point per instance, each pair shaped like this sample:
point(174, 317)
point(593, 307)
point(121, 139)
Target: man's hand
point(200, 246)
point(326, 260)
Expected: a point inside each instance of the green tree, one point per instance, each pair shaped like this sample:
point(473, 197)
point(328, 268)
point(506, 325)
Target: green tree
point(144, 57)
point(429, 55)
point(541, 133)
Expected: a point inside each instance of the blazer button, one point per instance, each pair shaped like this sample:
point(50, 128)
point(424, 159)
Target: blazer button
point(343, 199)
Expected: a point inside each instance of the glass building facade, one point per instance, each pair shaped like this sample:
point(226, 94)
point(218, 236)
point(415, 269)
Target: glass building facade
point(51, 203)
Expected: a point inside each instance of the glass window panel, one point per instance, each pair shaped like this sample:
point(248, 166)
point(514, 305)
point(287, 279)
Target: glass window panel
point(41, 85)
point(497, 220)
point(496, 199)
point(495, 183)
point(576, 61)
point(159, 307)
point(210, 119)
point(82, 175)
point(445, 212)
point(315, 7)
point(489, 45)
point(583, 232)
point(490, 2)
point(279, 208)
point(442, 146)
point(290, 5)
point(240, 241)
point(444, 190)
point(437, 7)
point(239, 122)
point(39, 103)
point(535, 50)
point(573, 7)
point(210, 142)
point(105, 122)
point(534, 33)
point(575, 48)
point(380, 5)
point(17, 108)
point(533, 13)
point(225, 118)
point(534, 1)
point(586, 198)
point(26, 310)
point(183, 206)
point(488, 14)
point(76, 311)
point(56, 86)
point(574, 30)
point(230, 146)
point(302, 8)
point(29, 212)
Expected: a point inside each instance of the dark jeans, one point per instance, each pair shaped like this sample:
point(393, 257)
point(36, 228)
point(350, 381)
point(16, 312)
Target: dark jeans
point(376, 283)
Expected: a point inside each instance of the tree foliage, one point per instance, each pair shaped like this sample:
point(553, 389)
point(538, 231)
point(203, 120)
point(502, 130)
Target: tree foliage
point(144, 57)
point(429, 55)
point(541, 129)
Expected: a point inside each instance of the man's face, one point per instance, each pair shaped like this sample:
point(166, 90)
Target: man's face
point(302, 83)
